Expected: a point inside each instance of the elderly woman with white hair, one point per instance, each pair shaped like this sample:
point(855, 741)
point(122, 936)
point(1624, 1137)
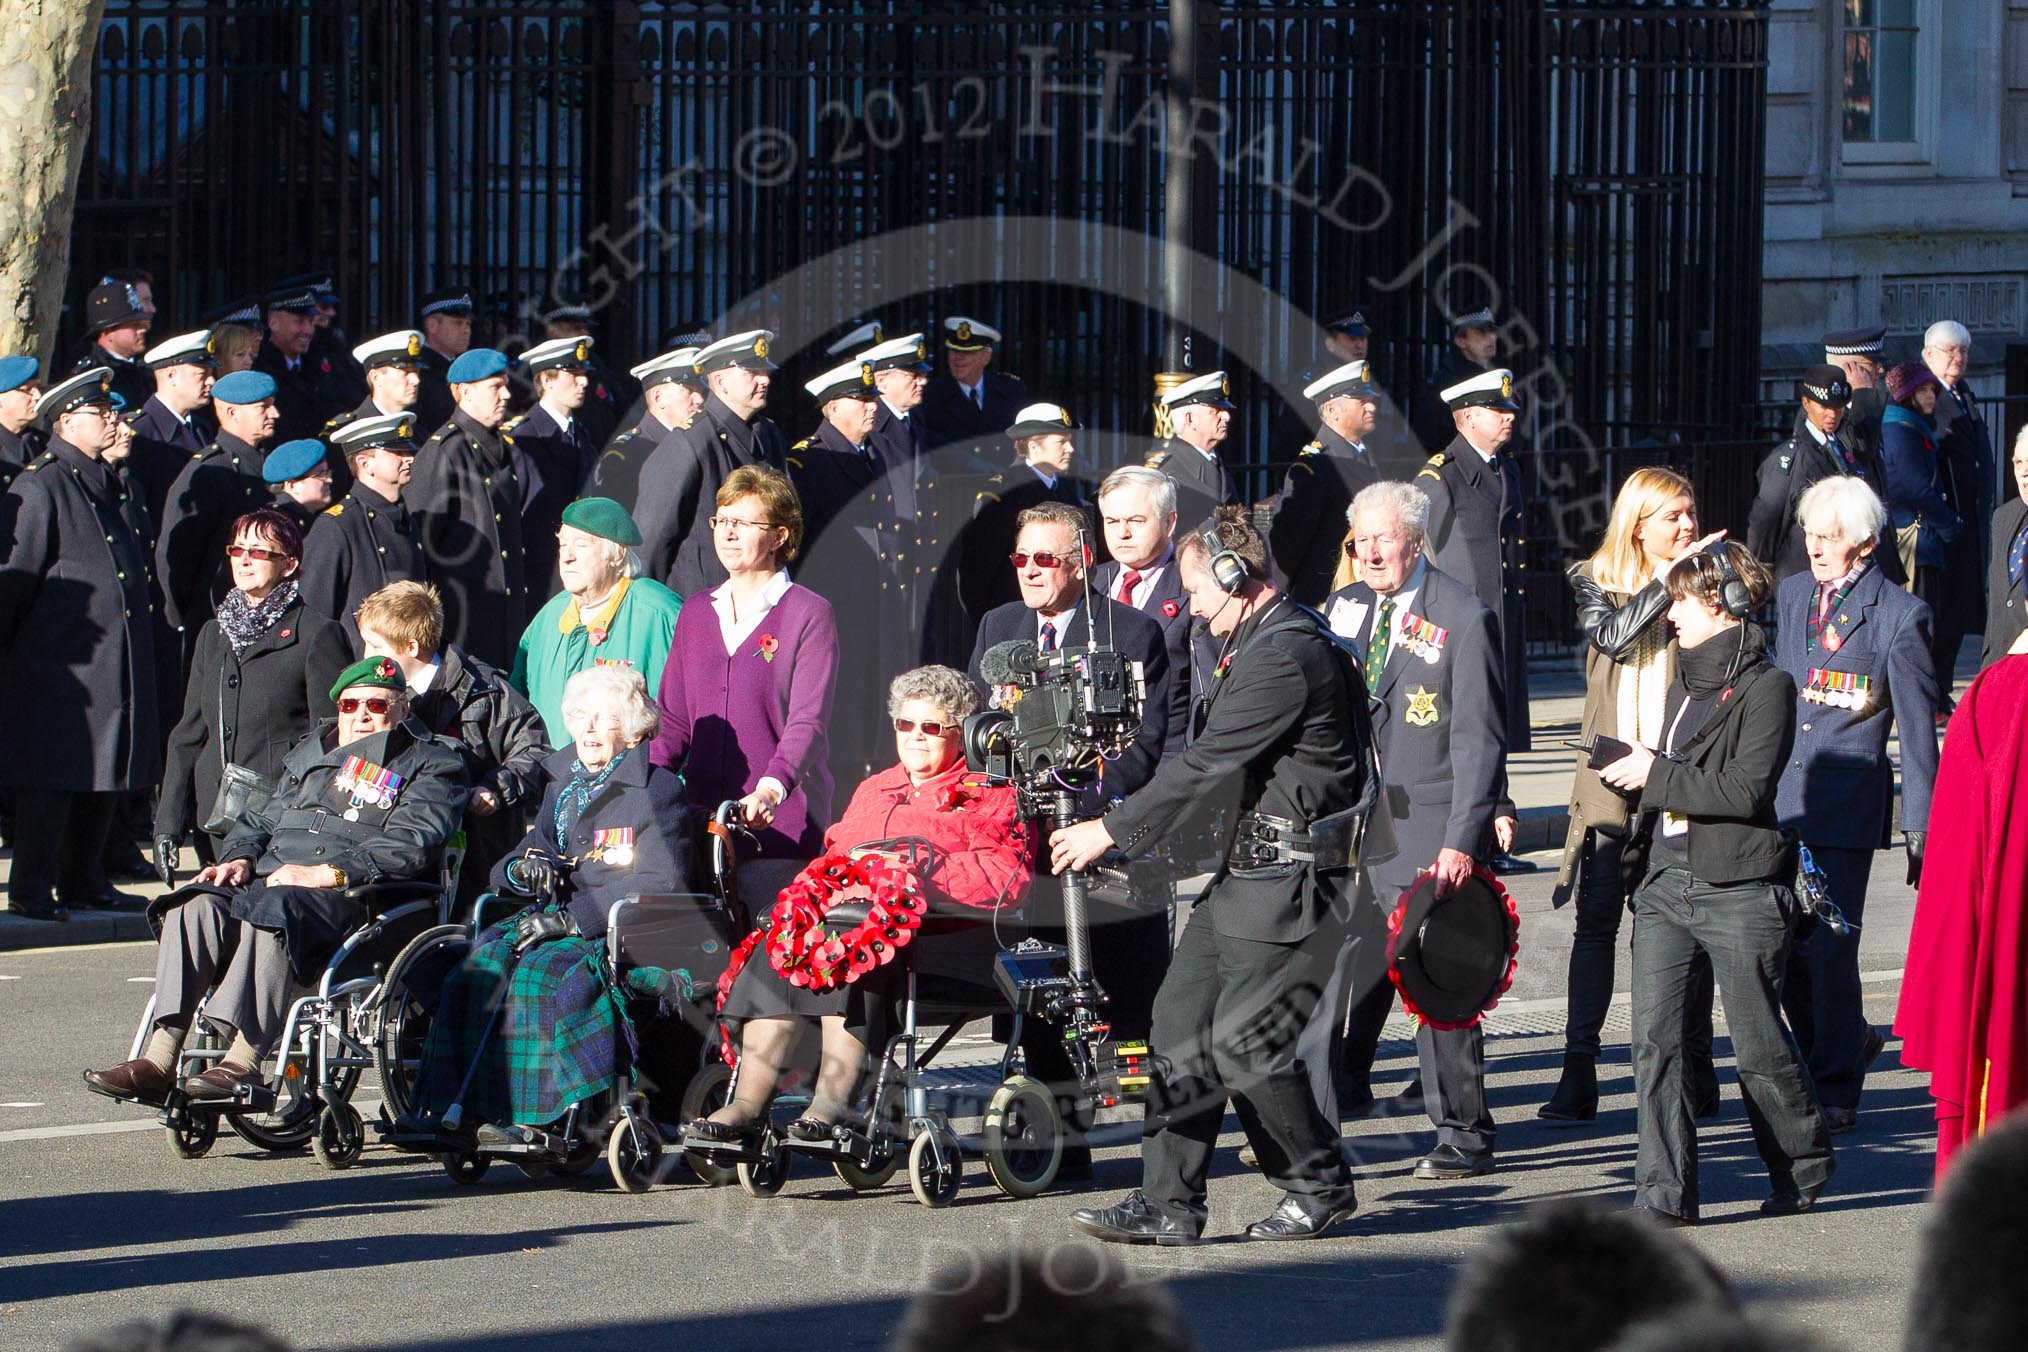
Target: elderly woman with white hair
point(1965, 467)
point(612, 825)
point(1858, 649)
point(606, 615)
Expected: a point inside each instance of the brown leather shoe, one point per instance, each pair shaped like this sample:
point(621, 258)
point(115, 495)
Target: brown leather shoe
point(141, 1081)
point(221, 1082)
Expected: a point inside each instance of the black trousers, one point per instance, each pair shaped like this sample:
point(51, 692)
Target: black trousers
point(60, 845)
point(1452, 1062)
point(1744, 930)
point(1228, 1021)
point(1594, 949)
point(1822, 996)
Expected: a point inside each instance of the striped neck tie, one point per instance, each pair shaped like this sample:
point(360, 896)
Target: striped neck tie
point(2017, 557)
point(1047, 637)
point(1377, 645)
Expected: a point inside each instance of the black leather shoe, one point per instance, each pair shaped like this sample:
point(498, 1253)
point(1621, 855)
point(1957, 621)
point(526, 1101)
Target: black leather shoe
point(1790, 1201)
point(1667, 1220)
point(1838, 1121)
point(1870, 1048)
point(1504, 865)
point(811, 1129)
point(1132, 1221)
point(1300, 1218)
point(40, 909)
point(723, 1133)
point(1447, 1161)
point(112, 899)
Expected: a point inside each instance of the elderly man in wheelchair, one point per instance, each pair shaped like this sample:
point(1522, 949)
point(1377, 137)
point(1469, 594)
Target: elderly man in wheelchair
point(532, 1021)
point(942, 843)
point(365, 802)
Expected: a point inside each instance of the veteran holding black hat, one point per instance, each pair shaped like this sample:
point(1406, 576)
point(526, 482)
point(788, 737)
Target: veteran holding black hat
point(606, 615)
point(1820, 449)
point(1308, 535)
point(1433, 673)
point(211, 492)
point(117, 321)
point(370, 799)
point(1200, 418)
point(1477, 523)
point(21, 440)
point(369, 538)
point(470, 499)
point(77, 660)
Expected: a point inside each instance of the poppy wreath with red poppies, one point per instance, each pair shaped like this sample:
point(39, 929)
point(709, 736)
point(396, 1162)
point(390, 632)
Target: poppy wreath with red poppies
point(820, 957)
point(1394, 919)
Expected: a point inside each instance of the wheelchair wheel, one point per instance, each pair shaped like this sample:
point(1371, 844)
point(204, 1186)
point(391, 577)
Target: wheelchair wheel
point(935, 1184)
point(634, 1154)
point(1023, 1137)
point(465, 1168)
point(191, 1135)
point(861, 1179)
point(765, 1176)
point(532, 1169)
point(340, 1137)
point(582, 1157)
point(291, 1123)
point(404, 1018)
point(707, 1092)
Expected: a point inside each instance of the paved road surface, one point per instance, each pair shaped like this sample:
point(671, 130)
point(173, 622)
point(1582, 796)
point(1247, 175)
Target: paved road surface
point(98, 1222)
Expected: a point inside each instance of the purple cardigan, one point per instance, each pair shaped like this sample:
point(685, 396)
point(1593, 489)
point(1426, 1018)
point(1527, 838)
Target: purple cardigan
point(728, 720)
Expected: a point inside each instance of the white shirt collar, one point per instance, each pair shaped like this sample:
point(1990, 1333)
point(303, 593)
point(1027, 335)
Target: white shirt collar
point(427, 677)
point(559, 417)
point(735, 629)
point(892, 409)
point(1061, 623)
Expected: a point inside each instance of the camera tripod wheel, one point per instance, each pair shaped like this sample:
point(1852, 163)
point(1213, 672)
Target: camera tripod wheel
point(1023, 1138)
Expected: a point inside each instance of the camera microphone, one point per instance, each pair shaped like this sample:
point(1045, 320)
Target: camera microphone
point(1004, 663)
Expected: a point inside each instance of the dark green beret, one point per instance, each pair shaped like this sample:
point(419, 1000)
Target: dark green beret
point(604, 518)
point(380, 671)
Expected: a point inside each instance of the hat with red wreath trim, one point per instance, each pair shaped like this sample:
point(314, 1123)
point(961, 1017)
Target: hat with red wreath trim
point(1453, 956)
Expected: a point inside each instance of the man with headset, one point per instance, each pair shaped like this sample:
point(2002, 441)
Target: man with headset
point(1282, 742)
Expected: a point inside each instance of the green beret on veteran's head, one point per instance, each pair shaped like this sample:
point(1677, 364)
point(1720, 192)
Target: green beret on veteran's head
point(380, 672)
point(604, 518)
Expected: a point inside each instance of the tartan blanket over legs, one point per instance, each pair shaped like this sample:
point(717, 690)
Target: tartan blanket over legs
point(562, 1036)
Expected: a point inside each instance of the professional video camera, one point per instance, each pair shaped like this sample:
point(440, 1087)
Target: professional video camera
point(1061, 716)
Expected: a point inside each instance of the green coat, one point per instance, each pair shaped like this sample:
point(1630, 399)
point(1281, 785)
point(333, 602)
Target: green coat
point(639, 636)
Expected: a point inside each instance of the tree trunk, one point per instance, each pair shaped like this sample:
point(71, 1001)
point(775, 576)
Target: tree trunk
point(46, 51)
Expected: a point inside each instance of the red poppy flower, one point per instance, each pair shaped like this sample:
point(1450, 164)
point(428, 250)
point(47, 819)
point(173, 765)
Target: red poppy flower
point(598, 634)
point(768, 647)
point(1171, 609)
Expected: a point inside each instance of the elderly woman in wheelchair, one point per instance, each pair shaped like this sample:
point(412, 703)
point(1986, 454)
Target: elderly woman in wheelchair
point(951, 844)
point(362, 804)
point(531, 1028)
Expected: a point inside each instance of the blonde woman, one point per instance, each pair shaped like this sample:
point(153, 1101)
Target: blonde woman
point(1622, 607)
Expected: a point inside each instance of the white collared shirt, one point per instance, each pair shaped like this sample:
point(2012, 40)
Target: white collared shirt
point(976, 394)
point(560, 418)
point(427, 677)
point(1060, 626)
point(735, 630)
point(1351, 619)
point(1150, 575)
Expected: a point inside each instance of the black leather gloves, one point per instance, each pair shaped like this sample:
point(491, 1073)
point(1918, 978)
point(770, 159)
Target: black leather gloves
point(533, 874)
point(166, 848)
point(537, 926)
point(1914, 841)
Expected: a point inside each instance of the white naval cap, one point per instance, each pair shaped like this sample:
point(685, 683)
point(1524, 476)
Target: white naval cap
point(403, 347)
point(1487, 389)
point(906, 353)
point(191, 349)
point(965, 334)
point(1213, 389)
point(1354, 377)
point(853, 380)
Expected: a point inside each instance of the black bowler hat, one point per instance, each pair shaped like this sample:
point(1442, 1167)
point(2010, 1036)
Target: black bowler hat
point(1452, 956)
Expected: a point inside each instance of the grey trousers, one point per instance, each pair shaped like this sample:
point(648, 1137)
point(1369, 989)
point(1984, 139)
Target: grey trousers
point(1745, 930)
point(243, 969)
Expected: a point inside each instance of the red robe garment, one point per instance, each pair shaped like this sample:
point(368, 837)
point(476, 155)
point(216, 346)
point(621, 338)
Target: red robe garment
point(1964, 995)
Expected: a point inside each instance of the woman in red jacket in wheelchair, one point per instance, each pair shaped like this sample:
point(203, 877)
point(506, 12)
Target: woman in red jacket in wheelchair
point(979, 855)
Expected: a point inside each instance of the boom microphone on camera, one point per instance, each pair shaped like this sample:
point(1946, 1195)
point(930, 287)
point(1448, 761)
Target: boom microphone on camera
point(1005, 663)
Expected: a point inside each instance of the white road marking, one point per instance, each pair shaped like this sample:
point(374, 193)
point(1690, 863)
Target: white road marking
point(9, 978)
point(81, 1129)
point(22, 1105)
point(144, 980)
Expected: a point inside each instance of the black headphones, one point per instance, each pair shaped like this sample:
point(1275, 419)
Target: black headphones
point(1733, 596)
point(1229, 572)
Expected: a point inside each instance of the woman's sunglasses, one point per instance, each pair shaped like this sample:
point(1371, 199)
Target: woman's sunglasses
point(254, 552)
point(908, 725)
point(373, 706)
point(1020, 560)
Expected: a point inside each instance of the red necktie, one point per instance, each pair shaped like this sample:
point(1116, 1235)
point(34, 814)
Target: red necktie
point(1048, 637)
point(1128, 581)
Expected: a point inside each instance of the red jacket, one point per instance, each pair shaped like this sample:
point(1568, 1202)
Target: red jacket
point(985, 848)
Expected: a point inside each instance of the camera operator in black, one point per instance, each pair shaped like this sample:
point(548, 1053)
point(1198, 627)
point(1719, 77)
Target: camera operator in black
point(1280, 738)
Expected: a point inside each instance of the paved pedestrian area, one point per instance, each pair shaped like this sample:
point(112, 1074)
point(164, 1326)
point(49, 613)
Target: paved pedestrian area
point(102, 1223)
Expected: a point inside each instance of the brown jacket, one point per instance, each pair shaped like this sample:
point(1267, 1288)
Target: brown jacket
point(1613, 623)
